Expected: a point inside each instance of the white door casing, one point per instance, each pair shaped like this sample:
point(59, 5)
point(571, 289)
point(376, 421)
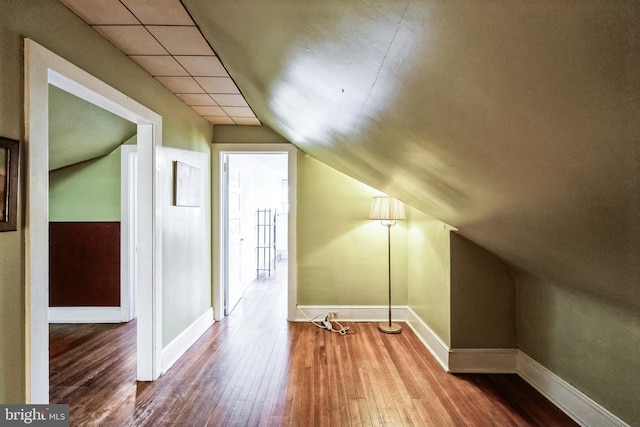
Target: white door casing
point(218, 217)
point(128, 231)
point(233, 283)
point(42, 68)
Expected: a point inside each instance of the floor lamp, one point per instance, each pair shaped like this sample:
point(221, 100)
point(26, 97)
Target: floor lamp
point(388, 210)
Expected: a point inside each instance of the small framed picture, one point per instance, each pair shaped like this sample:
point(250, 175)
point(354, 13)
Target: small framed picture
point(9, 164)
point(186, 185)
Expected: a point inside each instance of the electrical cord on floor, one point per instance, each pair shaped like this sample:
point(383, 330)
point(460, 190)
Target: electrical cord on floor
point(326, 324)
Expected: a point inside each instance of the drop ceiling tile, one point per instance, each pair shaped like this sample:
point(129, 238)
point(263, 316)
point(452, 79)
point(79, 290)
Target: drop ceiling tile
point(131, 39)
point(230, 100)
point(203, 66)
point(160, 65)
point(239, 111)
point(247, 121)
point(159, 12)
point(209, 111)
point(218, 85)
point(221, 120)
point(196, 98)
point(181, 40)
point(96, 12)
point(181, 84)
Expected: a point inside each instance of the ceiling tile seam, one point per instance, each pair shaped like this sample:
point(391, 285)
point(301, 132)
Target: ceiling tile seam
point(169, 54)
point(160, 75)
point(219, 58)
point(131, 12)
point(207, 94)
point(136, 16)
point(141, 24)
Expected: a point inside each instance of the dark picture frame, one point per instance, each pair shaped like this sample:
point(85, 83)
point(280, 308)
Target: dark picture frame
point(9, 165)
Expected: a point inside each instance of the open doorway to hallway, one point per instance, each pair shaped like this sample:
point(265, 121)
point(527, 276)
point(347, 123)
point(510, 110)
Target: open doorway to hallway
point(44, 68)
point(255, 220)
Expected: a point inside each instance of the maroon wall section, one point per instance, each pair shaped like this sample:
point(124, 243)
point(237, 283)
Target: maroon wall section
point(84, 262)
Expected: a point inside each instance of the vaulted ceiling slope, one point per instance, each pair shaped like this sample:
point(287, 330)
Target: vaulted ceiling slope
point(80, 131)
point(515, 121)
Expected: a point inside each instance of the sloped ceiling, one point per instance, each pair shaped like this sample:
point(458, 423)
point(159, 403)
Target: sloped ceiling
point(515, 121)
point(80, 131)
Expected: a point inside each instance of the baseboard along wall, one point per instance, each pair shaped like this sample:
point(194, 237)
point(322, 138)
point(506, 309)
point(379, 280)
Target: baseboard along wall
point(180, 344)
point(580, 407)
point(86, 315)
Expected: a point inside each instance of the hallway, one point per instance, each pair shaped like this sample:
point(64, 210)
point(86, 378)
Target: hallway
point(254, 368)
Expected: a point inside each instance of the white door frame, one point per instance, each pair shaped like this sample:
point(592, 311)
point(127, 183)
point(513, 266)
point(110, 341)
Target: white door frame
point(128, 231)
point(42, 68)
point(219, 150)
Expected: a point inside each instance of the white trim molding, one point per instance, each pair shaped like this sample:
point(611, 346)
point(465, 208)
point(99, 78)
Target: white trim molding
point(41, 69)
point(218, 261)
point(430, 339)
point(351, 313)
point(180, 344)
point(86, 315)
point(580, 407)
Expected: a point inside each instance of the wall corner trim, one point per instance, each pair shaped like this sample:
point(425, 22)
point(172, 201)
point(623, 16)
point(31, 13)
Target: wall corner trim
point(580, 407)
point(430, 339)
point(180, 344)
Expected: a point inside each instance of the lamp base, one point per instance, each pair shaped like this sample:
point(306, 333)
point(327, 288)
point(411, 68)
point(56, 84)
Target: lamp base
point(387, 328)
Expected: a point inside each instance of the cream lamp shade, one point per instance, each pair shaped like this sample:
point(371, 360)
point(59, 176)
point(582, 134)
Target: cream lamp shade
point(386, 209)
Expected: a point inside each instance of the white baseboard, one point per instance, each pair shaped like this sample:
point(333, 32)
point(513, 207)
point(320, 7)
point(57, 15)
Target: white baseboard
point(352, 313)
point(580, 407)
point(85, 315)
point(180, 344)
point(430, 339)
point(584, 410)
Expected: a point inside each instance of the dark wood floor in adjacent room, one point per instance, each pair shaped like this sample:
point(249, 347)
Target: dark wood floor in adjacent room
point(256, 369)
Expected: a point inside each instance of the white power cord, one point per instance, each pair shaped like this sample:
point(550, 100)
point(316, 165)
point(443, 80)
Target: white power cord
point(325, 323)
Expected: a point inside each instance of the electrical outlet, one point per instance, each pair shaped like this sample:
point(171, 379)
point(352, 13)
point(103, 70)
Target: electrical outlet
point(333, 315)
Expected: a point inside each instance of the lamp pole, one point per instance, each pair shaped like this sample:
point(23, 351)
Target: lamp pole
point(387, 210)
point(389, 328)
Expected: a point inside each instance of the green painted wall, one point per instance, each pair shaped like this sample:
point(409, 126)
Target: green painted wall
point(342, 255)
point(80, 131)
point(88, 191)
point(589, 341)
point(225, 134)
point(483, 298)
point(186, 243)
point(429, 272)
point(52, 25)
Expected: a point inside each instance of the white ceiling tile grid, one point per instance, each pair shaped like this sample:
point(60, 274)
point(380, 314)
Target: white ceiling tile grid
point(161, 37)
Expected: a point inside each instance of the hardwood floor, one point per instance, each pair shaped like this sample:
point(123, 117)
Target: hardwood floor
point(256, 369)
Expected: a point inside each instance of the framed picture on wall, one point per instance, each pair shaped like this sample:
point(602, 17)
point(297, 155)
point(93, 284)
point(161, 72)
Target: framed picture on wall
point(186, 185)
point(9, 161)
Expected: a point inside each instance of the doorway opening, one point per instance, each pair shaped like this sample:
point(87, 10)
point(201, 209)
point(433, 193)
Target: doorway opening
point(256, 221)
point(44, 68)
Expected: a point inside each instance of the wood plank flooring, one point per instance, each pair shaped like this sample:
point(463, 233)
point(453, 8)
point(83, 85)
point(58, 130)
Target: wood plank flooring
point(256, 369)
